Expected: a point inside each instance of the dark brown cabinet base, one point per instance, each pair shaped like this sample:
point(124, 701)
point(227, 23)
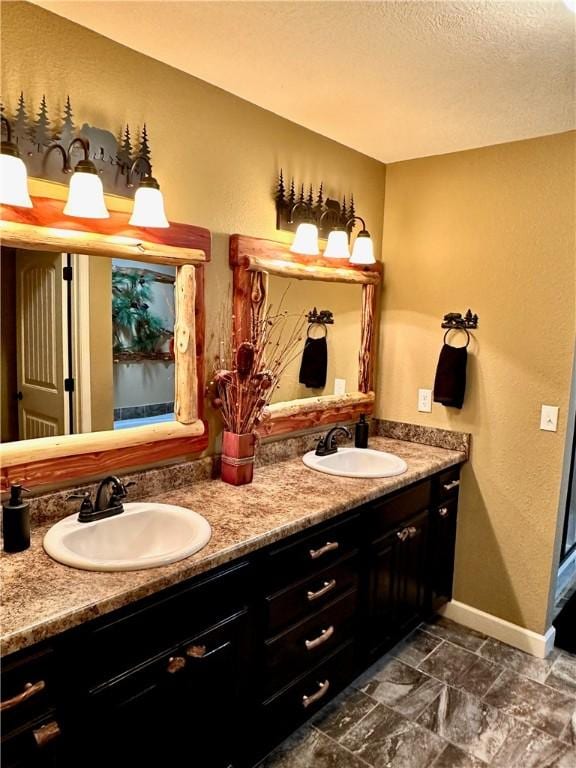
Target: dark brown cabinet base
point(217, 671)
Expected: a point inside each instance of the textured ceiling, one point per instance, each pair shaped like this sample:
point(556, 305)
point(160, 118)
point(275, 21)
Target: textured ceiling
point(395, 80)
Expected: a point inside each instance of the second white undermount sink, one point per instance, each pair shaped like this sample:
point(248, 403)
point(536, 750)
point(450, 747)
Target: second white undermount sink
point(357, 462)
point(144, 535)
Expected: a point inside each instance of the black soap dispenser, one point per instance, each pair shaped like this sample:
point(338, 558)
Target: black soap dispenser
point(361, 433)
point(16, 521)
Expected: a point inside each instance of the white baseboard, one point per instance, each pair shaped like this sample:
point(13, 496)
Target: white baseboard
point(511, 634)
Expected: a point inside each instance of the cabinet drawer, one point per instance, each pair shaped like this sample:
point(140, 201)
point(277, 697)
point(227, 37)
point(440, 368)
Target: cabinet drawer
point(308, 555)
point(128, 639)
point(385, 515)
point(27, 689)
point(305, 644)
point(152, 716)
point(448, 484)
point(311, 594)
point(308, 693)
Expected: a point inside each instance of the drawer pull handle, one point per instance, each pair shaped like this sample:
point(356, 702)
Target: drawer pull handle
point(443, 511)
point(30, 690)
point(453, 484)
point(175, 664)
point(330, 546)
point(46, 733)
point(307, 701)
point(407, 533)
point(196, 651)
point(328, 586)
point(322, 638)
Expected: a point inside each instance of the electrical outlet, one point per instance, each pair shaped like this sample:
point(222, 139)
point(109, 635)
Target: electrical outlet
point(425, 400)
point(549, 418)
point(339, 386)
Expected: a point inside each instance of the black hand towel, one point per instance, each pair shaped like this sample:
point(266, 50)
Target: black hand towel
point(450, 381)
point(314, 363)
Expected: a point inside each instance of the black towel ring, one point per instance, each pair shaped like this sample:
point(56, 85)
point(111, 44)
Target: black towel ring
point(459, 329)
point(312, 326)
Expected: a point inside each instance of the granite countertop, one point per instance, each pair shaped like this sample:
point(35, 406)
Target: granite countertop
point(42, 598)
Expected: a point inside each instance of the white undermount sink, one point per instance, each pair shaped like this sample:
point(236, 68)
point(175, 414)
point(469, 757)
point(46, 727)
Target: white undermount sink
point(143, 536)
point(357, 462)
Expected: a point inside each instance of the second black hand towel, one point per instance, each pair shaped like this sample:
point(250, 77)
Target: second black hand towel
point(314, 363)
point(450, 381)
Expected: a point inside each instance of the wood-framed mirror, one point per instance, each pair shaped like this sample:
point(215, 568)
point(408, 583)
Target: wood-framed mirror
point(254, 262)
point(156, 262)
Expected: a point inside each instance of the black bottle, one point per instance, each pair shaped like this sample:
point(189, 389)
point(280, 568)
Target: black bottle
point(16, 521)
point(361, 433)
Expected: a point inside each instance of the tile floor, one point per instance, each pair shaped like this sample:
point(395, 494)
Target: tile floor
point(446, 697)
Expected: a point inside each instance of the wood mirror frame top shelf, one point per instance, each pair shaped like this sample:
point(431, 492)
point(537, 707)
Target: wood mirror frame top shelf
point(52, 460)
point(250, 258)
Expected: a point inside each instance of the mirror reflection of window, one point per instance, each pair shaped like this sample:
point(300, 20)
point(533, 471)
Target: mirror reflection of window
point(342, 338)
point(143, 343)
point(66, 365)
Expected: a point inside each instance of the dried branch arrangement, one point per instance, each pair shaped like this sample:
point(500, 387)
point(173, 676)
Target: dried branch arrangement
point(244, 378)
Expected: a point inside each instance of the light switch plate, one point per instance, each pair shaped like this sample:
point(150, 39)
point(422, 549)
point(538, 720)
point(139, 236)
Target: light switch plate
point(549, 418)
point(339, 386)
point(425, 400)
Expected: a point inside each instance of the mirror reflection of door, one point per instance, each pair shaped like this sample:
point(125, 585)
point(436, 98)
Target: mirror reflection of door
point(41, 345)
point(61, 371)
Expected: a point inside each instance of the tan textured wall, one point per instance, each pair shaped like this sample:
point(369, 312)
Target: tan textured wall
point(491, 229)
point(215, 155)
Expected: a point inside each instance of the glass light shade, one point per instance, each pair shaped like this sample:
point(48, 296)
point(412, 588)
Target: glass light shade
point(148, 209)
point(86, 197)
point(306, 240)
point(363, 251)
point(337, 246)
point(14, 182)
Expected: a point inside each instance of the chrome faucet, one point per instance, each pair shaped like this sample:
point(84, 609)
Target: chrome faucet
point(327, 444)
point(109, 496)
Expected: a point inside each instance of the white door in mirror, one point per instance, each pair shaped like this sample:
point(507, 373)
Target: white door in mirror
point(357, 462)
point(145, 535)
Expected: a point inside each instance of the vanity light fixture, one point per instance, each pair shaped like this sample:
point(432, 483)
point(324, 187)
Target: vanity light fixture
point(13, 173)
point(331, 218)
point(109, 163)
point(306, 238)
point(363, 250)
point(148, 210)
point(337, 246)
point(86, 193)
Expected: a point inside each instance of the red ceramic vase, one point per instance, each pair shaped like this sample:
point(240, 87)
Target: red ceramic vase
point(237, 458)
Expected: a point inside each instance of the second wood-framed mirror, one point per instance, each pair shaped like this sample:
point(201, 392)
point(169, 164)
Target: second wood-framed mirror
point(256, 265)
point(107, 425)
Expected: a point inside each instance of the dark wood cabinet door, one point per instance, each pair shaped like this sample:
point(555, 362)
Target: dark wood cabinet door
point(412, 573)
point(398, 582)
point(174, 709)
point(442, 546)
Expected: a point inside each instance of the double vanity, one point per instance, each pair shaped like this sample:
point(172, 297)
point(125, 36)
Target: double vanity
point(306, 579)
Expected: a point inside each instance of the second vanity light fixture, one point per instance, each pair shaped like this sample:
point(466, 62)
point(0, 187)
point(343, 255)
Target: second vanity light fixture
point(104, 159)
point(324, 218)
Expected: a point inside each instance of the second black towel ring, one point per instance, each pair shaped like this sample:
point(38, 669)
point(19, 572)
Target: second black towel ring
point(312, 325)
point(458, 329)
